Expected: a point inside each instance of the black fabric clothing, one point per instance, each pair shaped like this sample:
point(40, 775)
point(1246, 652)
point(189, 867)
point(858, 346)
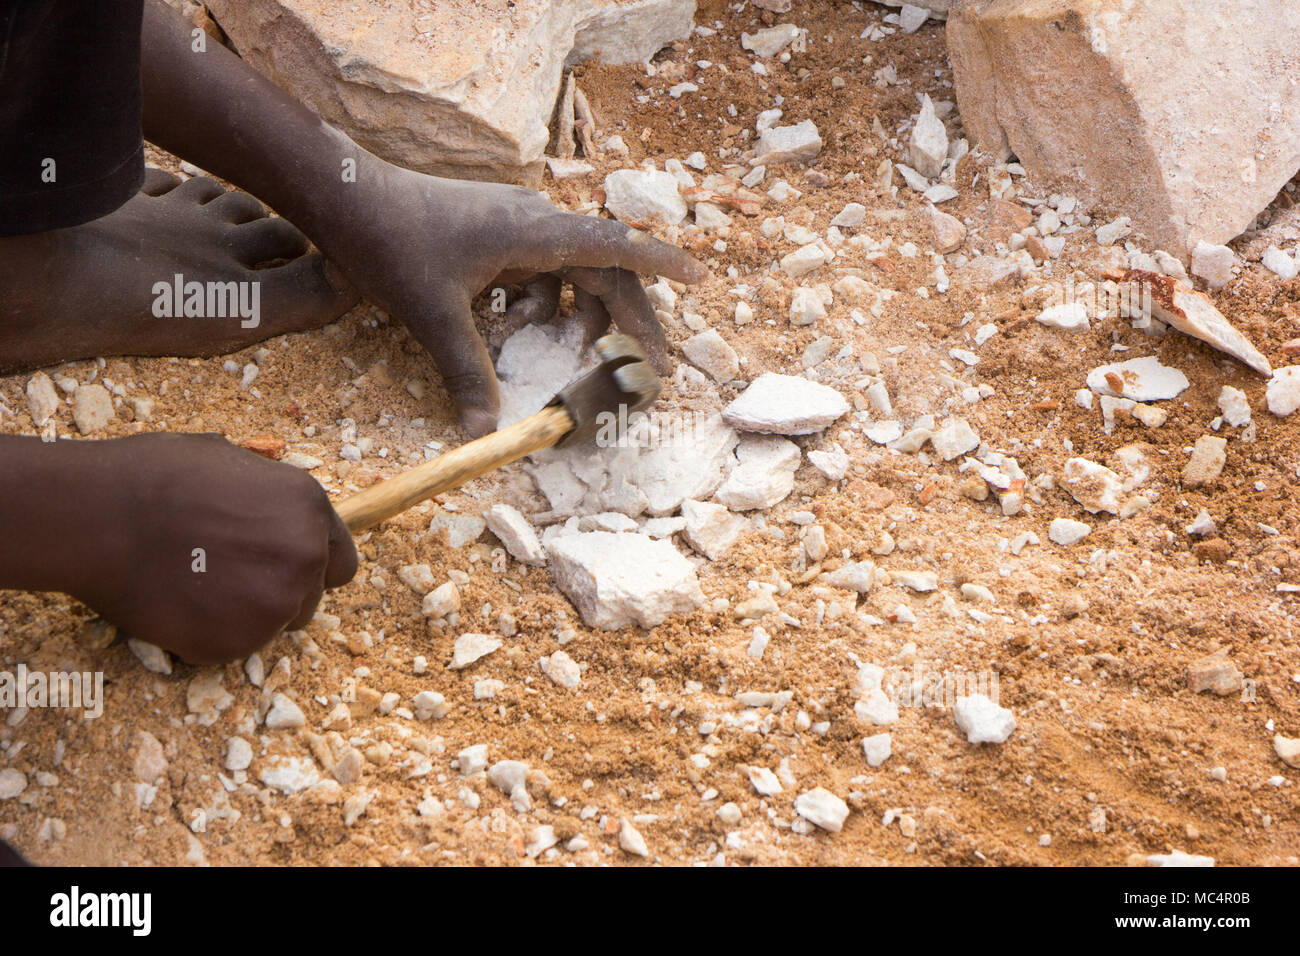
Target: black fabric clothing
point(71, 148)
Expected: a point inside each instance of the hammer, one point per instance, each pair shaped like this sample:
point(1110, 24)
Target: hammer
point(624, 377)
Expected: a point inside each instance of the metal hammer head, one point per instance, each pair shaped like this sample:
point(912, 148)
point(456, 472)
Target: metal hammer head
point(624, 378)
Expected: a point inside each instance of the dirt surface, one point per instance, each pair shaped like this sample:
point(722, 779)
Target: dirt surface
point(1113, 752)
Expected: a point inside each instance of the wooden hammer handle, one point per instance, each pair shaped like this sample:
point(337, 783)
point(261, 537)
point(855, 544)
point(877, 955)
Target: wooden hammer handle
point(384, 499)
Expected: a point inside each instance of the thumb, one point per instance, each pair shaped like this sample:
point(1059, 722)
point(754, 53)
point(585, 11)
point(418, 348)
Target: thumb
point(448, 333)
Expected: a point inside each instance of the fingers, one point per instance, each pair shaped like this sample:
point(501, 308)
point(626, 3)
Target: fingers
point(457, 349)
point(570, 240)
point(591, 315)
point(625, 300)
point(265, 239)
point(540, 302)
point(236, 208)
point(342, 566)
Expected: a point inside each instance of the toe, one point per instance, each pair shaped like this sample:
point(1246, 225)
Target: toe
point(267, 239)
point(303, 294)
point(236, 208)
point(198, 190)
point(158, 181)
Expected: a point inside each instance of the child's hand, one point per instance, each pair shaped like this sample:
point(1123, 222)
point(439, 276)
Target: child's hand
point(206, 549)
point(421, 248)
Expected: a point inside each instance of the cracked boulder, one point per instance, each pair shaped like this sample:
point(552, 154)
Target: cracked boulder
point(454, 89)
point(1184, 115)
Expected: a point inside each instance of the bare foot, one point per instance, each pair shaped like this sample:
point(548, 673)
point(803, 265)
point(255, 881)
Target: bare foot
point(109, 287)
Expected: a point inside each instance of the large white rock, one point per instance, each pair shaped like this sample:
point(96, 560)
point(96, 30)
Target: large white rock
point(691, 465)
point(1205, 98)
point(453, 89)
point(509, 524)
point(617, 580)
point(763, 475)
point(983, 721)
point(643, 195)
point(1283, 392)
point(785, 405)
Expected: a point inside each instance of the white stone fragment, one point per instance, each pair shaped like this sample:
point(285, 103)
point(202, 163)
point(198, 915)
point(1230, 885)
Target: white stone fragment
point(1203, 525)
point(1178, 858)
point(151, 656)
point(764, 781)
point(982, 720)
point(1070, 316)
point(14, 782)
point(1283, 393)
point(954, 438)
point(806, 307)
point(562, 669)
point(639, 195)
point(1235, 406)
point(1282, 265)
point(284, 714)
point(912, 18)
point(785, 405)
point(472, 760)
point(709, 352)
point(1067, 531)
point(876, 709)
point(429, 705)
point(92, 408)
point(804, 260)
point(877, 749)
point(691, 466)
point(516, 533)
point(763, 475)
point(833, 462)
point(42, 399)
point(1213, 263)
point(441, 601)
point(417, 577)
point(239, 754)
point(788, 144)
point(289, 775)
point(1094, 486)
point(711, 529)
point(616, 580)
point(823, 808)
point(470, 647)
point(1192, 313)
point(630, 840)
point(851, 216)
point(856, 576)
point(770, 41)
point(1142, 380)
point(928, 146)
